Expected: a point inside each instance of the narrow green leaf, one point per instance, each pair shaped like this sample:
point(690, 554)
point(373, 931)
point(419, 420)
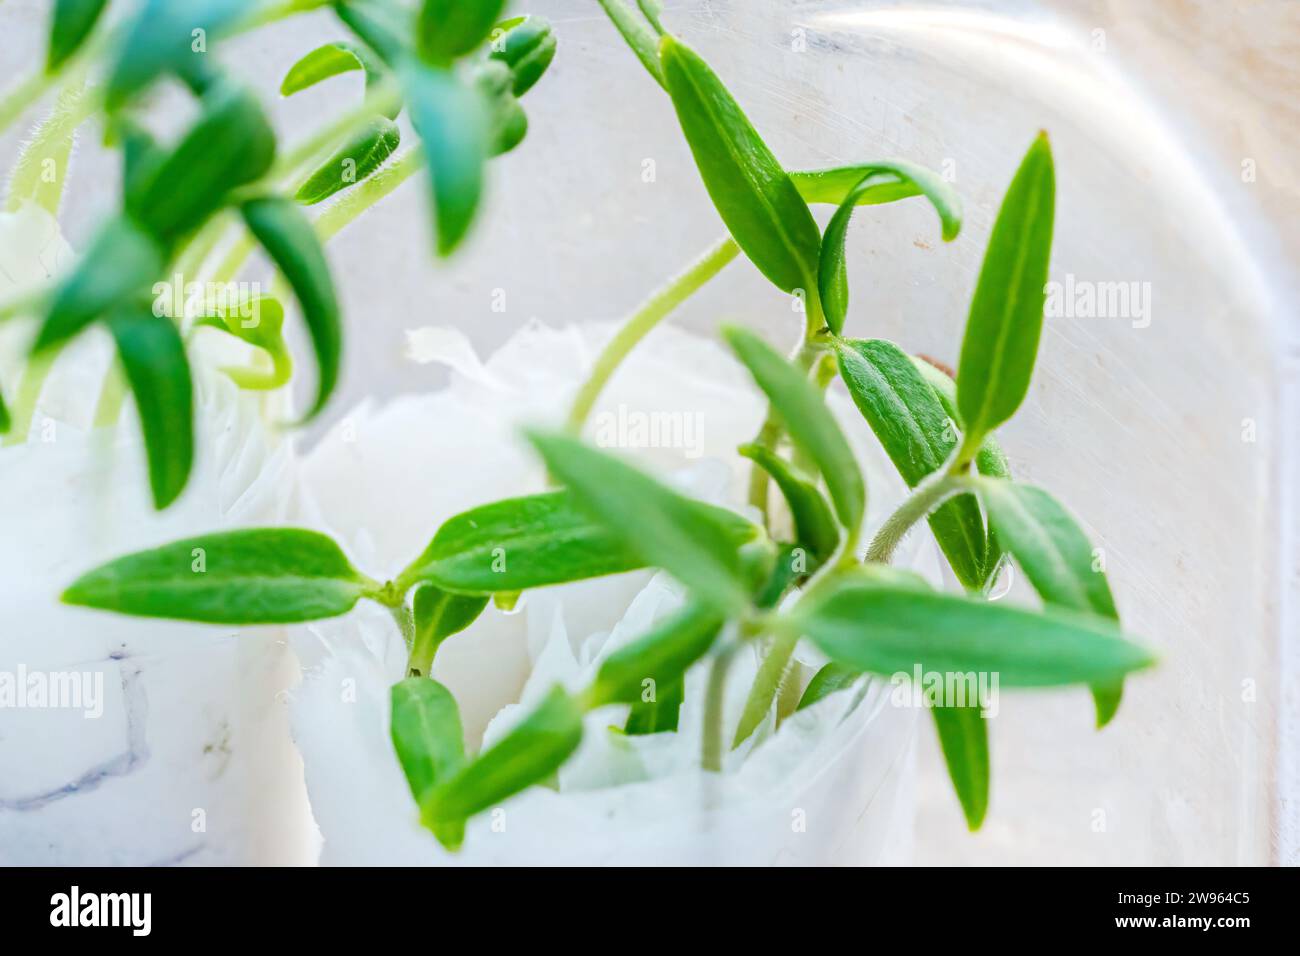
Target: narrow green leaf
point(657, 716)
point(991, 460)
point(69, 26)
point(638, 35)
point(430, 742)
point(526, 45)
point(438, 615)
point(887, 629)
point(810, 424)
point(153, 357)
point(889, 180)
point(830, 186)
point(832, 270)
point(658, 659)
point(352, 162)
point(690, 541)
point(168, 37)
point(964, 739)
point(814, 522)
point(252, 576)
point(229, 145)
point(447, 29)
point(120, 266)
point(528, 754)
point(288, 238)
point(1006, 313)
point(331, 60)
point(910, 422)
point(141, 155)
point(6, 422)
point(454, 123)
point(831, 678)
point(517, 544)
point(260, 323)
point(752, 192)
point(1056, 556)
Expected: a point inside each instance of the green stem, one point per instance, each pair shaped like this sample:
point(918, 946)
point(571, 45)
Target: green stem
point(111, 396)
point(51, 143)
point(235, 257)
point(34, 374)
point(965, 454)
point(766, 685)
point(27, 91)
point(640, 323)
point(405, 619)
point(25, 302)
point(343, 212)
point(420, 663)
point(194, 252)
point(937, 487)
point(714, 701)
point(361, 197)
point(382, 99)
point(769, 433)
point(280, 10)
point(21, 96)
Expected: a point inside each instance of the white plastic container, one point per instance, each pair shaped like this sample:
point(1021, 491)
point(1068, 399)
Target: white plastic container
point(122, 740)
point(1174, 439)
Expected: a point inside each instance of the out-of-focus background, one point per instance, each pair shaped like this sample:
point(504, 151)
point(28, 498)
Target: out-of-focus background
point(1172, 429)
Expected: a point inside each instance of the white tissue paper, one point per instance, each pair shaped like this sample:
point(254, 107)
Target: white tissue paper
point(831, 785)
point(126, 740)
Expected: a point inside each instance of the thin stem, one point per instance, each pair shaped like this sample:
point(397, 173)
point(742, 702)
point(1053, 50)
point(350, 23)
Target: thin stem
point(277, 10)
point(361, 197)
point(766, 684)
point(21, 96)
point(234, 259)
point(337, 217)
point(194, 252)
point(643, 320)
point(34, 374)
point(24, 302)
point(382, 99)
point(769, 433)
point(348, 208)
point(937, 487)
point(405, 619)
point(26, 92)
point(714, 700)
point(112, 395)
point(965, 453)
point(420, 662)
point(51, 144)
